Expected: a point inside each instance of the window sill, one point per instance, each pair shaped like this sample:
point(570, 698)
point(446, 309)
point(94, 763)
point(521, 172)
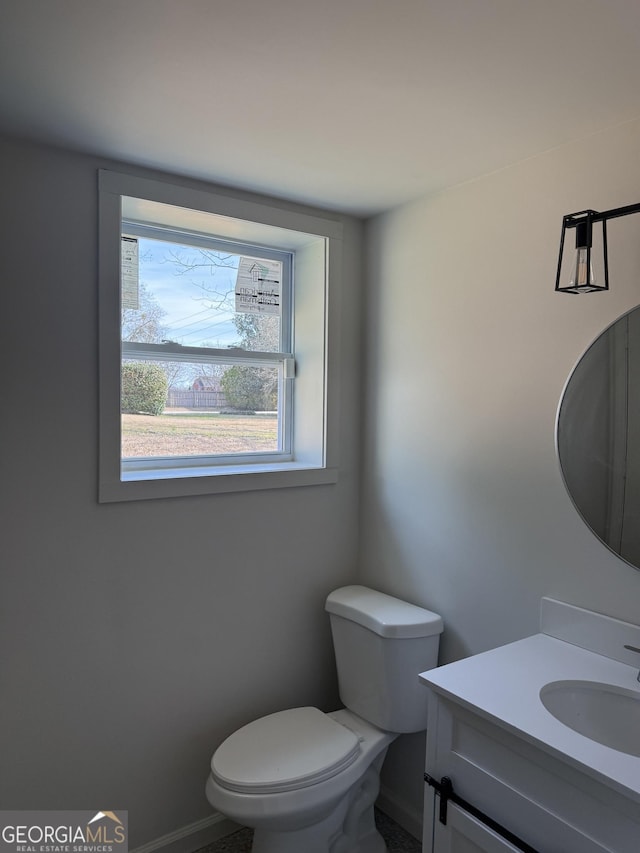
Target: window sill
point(182, 482)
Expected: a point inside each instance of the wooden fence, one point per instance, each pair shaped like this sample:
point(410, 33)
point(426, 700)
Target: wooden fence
point(195, 399)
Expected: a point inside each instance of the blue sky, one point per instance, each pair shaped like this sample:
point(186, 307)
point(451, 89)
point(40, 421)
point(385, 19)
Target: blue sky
point(189, 299)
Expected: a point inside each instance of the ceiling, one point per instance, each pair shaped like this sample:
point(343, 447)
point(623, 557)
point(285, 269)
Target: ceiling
point(355, 105)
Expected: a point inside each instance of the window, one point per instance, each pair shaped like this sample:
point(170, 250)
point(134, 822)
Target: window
point(213, 342)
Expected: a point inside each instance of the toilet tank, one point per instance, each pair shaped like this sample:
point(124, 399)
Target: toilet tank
point(381, 645)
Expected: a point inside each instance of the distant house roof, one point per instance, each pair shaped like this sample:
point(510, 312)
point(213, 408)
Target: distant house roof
point(206, 383)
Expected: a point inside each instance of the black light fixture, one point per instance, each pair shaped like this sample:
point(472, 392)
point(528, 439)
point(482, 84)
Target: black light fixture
point(582, 279)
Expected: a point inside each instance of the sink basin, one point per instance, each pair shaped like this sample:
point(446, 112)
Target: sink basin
point(602, 712)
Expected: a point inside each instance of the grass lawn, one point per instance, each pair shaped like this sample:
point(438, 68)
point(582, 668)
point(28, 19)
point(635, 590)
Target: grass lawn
point(186, 433)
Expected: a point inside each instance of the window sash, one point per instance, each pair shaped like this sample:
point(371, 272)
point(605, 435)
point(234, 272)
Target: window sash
point(283, 362)
point(171, 351)
point(170, 234)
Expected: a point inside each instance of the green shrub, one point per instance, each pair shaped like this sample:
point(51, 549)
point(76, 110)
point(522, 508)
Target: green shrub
point(250, 388)
point(144, 388)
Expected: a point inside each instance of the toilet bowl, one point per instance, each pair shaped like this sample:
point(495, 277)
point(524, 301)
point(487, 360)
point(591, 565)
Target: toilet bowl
point(307, 781)
point(319, 763)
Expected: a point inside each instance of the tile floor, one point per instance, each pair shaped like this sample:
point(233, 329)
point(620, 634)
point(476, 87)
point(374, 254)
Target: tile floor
point(398, 841)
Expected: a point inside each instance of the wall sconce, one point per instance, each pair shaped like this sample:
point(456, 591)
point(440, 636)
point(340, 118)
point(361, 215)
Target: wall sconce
point(582, 279)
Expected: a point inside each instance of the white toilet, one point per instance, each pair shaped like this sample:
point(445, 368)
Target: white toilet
point(306, 781)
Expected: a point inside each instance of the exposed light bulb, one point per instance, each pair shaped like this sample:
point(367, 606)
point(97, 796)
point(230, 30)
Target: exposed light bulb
point(582, 278)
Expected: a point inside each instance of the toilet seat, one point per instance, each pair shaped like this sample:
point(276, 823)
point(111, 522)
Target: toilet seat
point(283, 752)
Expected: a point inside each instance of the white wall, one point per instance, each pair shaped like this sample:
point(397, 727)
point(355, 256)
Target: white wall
point(134, 637)
point(464, 510)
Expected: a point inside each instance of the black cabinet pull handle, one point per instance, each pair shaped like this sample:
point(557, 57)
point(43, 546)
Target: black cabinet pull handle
point(445, 789)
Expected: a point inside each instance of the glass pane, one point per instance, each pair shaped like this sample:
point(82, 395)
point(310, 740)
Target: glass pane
point(182, 409)
point(199, 297)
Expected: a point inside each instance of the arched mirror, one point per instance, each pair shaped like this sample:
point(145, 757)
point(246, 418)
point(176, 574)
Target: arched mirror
point(598, 437)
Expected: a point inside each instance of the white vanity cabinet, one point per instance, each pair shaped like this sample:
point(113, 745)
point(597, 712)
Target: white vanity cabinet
point(465, 834)
point(522, 780)
point(550, 806)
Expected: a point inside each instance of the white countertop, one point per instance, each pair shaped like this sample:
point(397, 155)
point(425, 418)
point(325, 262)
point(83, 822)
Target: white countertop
point(503, 685)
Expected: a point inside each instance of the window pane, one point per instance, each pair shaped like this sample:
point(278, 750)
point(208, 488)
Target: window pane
point(199, 296)
point(182, 409)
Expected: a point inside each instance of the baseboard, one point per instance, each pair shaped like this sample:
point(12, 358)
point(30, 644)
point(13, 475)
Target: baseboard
point(196, 835)
point(190, 838)
point(406, 817)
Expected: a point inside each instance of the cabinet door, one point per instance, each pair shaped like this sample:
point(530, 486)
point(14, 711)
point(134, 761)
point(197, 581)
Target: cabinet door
point(464, 834)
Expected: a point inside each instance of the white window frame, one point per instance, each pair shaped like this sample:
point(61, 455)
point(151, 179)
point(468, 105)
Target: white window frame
point(283, 361)
point(310, 445)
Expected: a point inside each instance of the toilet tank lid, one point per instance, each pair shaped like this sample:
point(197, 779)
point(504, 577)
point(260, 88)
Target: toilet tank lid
point(383, 614)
